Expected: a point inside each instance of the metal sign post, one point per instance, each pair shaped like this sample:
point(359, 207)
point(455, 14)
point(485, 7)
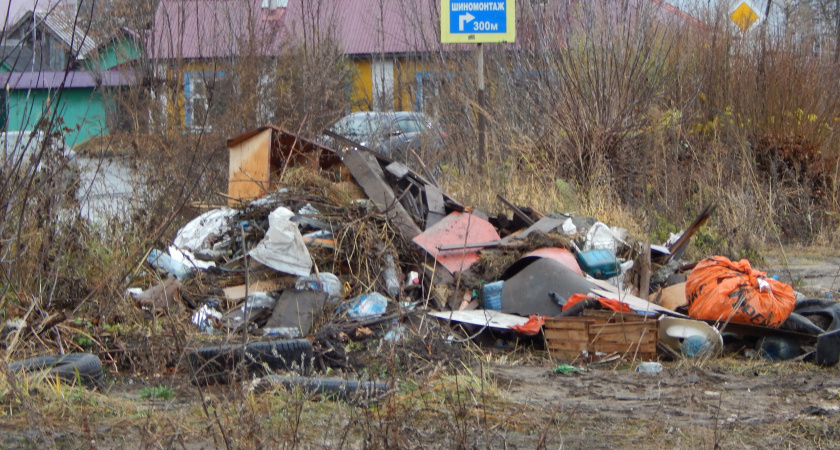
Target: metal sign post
point(479, 22)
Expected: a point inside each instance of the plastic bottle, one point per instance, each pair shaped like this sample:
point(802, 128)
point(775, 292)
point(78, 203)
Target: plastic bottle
point(163, 261)
point(389, 276)
point(649, 367)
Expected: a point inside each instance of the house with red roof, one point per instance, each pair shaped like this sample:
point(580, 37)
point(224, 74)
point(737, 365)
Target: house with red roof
point(394, 44)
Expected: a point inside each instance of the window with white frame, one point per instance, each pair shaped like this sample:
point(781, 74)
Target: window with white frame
point(383, 85)
point(199, 89)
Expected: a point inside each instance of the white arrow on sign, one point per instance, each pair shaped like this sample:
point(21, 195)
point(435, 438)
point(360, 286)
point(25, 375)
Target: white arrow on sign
point(464, 18)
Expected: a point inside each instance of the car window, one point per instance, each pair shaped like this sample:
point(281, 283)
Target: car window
point(409, 124)
point(357, 125)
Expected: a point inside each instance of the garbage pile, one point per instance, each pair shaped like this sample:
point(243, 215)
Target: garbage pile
point(352, 239)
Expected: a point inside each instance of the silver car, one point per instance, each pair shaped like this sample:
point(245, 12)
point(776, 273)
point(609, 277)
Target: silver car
point(395, 134)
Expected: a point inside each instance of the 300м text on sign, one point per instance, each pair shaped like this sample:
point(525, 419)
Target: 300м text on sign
point(477, 17)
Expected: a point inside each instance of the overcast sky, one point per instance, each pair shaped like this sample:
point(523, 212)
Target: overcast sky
point(17, 7)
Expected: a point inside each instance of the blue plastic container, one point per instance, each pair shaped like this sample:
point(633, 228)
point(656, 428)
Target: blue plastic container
point(599, 263)
point(491, 294)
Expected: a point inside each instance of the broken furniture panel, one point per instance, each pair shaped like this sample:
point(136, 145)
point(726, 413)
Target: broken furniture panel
point(295, 313)
point(249, 170)
point(632, 336)
point(257, 154)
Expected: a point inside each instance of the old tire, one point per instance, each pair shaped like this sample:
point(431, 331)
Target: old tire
point(333, 388)
point(222, 364)
point(84, 367)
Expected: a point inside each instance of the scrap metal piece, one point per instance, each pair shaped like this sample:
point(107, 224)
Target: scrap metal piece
point(527, 292)
point(454, 229)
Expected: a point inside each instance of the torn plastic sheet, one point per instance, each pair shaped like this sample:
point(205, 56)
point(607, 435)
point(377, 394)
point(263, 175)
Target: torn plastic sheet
point(602, 236)
point(283, 248)
point(197, 234)
point(187, 258)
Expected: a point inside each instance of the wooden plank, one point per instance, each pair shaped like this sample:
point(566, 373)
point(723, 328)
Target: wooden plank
point(625, 327)
point(516, 211)
point(435, 205)
point(544, 225)
point(238, 292)
point(439, 275)
point(397, 170)
point(379, 192)
point(249, 168)
point(644, 272)
point(614, 316)
point(571, 326)
point(569, 335)
point(609, 347)
point(578, 346)
point(678, 247)
point(565, 354)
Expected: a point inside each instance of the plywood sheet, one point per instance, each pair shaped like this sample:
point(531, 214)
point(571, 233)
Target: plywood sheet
point(250, 168)
point(238, 292)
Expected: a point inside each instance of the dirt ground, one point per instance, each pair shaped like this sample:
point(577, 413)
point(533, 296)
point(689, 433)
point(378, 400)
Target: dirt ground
point(728, 402)
point(684, 406)
point(813, 274)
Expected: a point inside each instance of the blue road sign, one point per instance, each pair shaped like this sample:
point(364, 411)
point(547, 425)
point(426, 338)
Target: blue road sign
point(477, 17)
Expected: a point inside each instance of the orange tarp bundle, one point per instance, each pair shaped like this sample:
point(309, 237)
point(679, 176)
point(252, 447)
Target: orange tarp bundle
point(532, 326)
point(607, 303)
point(719, 288)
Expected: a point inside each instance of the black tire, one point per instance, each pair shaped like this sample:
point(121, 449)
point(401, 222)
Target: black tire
point(85, 367)
point(265, 357)
point(333, 388)
point(221, 364)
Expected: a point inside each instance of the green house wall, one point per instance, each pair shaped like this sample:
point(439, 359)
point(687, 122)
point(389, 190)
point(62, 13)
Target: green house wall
point(119, 50)
point(82, 110)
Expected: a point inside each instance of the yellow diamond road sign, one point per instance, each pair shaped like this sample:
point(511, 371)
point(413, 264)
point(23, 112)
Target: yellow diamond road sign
point(744, 15)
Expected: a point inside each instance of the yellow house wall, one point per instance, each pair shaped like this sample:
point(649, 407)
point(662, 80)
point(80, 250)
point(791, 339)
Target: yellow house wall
point(361, 96)
point(405, 80)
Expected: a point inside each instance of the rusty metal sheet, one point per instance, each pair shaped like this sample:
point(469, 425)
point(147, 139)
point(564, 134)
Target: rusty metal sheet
point(457, 228)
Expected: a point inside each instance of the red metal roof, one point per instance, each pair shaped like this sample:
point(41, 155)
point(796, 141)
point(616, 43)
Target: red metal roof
point(198, 29)
point(204, 29)
point(367, 26)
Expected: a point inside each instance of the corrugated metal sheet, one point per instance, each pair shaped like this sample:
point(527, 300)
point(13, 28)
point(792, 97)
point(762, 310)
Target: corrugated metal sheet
point(204, 29)
point(199, 29)
point(367, 26)
point(54, 80)
point(72, 34)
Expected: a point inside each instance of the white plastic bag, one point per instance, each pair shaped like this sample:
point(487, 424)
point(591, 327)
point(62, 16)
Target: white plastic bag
point(283, 248)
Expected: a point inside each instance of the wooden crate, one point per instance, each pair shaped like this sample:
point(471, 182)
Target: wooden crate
point(597, 335)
